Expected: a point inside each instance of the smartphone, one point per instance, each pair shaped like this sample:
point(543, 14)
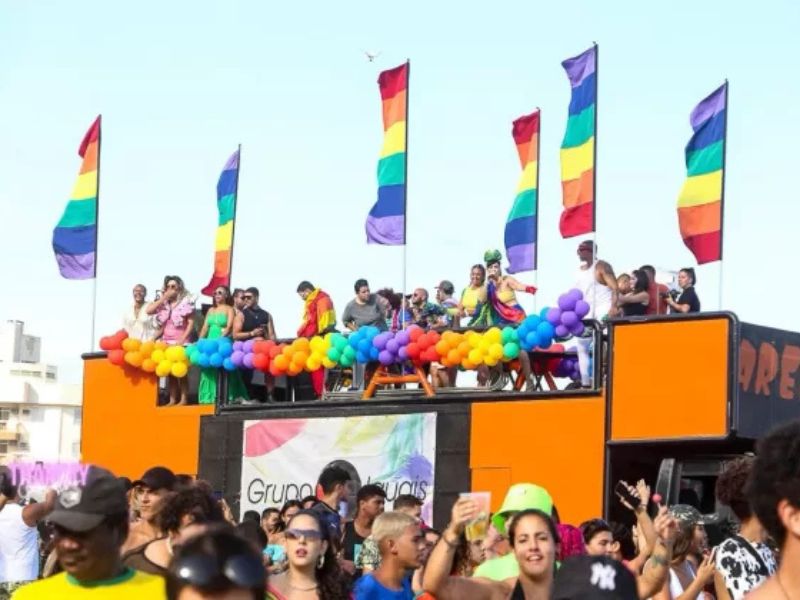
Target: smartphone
point(622, 491)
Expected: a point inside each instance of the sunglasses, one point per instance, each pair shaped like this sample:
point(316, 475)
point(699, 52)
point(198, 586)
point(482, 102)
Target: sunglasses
point(248, 296)
point(219, 293)
point(206, 573)
point(307, 534)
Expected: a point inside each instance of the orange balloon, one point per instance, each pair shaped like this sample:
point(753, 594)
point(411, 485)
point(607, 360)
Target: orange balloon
point(442, 347)
point(454, 357)
point(148, 365)
point(281, 362)
point(464, 348)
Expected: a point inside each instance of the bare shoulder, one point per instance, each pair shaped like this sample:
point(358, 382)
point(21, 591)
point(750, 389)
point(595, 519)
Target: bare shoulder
point(767, 591)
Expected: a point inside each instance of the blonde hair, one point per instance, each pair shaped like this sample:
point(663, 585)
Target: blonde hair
point(391, 525)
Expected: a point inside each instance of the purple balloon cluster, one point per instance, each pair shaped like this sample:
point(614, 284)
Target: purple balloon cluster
point(243, 354)
point(566, 317)
point(568, 367)
point(392, 347)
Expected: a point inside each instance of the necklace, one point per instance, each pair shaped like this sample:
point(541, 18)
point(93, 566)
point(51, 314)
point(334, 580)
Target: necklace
point(303, 589)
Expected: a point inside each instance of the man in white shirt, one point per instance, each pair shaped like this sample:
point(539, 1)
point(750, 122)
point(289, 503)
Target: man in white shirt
point(19, 538)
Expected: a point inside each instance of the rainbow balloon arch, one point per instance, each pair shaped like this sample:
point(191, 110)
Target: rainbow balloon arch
point(467, 350)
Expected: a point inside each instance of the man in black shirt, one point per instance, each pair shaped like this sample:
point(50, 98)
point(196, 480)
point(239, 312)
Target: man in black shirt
point(370, 501)
point(332, 489)
point(687, 301)
point(254, 323)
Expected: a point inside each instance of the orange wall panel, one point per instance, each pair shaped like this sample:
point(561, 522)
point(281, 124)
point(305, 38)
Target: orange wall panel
point(558, 444)
point(670, 379)
point(124, 431)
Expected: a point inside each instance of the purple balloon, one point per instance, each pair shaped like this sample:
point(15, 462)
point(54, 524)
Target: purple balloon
point(554, 316)
point(379, 341)
point(386, 357)
point(576, 294)
point(561, 331)
point(392, 346)
point(569, 318)
point(247, 361)
point(566, 302)
point(248, 346)
point(237, 358)
point(238, 346)
point(582, 308)
point(402, 353)
point(577, 329)
point(401, 337)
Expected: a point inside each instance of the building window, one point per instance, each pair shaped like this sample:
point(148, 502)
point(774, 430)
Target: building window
point(23, 447)
point(3, 447)
point(5, 414)
point(26, 412)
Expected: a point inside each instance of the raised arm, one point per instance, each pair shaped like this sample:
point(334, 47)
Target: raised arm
point(638, 298)
point(33, 513)
point(654, 578)
point(518, 286)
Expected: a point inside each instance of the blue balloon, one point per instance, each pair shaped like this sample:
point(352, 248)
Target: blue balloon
point(374, 353)
point(226, 350)
point(545, 331)
point(215, 360)
point(228, 365)
point(203, 360)
point(361, 357)
point(531, 341)
point(364, 346)
point(543, 313)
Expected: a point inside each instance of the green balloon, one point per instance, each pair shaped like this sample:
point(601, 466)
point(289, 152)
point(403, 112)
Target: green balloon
point(346, 361)
point(334, 354)
point(508, 333)
point(511, 350)
point(350, 353)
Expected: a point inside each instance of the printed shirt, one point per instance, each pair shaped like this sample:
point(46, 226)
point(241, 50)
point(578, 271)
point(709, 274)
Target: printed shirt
point(740, 568)
point(131, 585)
point(369, 556)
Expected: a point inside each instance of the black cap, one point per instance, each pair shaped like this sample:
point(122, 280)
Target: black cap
point(157, 478)
point(446, 286)
point(83, 508)
point(594, 578)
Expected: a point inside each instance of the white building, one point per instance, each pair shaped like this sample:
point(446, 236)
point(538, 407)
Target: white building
point(40, 419)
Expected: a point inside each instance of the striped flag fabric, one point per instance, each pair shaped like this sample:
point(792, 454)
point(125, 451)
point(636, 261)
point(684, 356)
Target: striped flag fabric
point(522, 223)
point(578, 147)
point(700, 203)
point(386, 222)
point(227, 191)
point(75, 236)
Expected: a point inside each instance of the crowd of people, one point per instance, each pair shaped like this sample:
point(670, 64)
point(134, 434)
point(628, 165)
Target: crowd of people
point(170, 536)
point(489, 299)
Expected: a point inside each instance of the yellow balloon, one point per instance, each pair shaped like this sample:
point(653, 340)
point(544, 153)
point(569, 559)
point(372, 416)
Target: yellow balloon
point(149, 365)
point(313, 363)
point(147, 348)
point(157, 356)
point(164, 368)
point(485, 344)
point(475, 356)
point(328, 363)
point(179, 369)
point(494, 335)
point(490, 361)
point(161, 345)
point(496, 351)
point(474, 340)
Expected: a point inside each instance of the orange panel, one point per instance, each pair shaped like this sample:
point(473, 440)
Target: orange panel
point(558, 444)
point(670, 379)
point(123, 430)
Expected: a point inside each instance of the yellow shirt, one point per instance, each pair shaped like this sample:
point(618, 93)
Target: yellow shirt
point(131, 585)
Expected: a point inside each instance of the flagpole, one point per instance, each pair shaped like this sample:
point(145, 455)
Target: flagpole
point(96, 230)
point(536, 218)
point(594, 177)
point(233, 224)
point(405, 204)
point(722, 195)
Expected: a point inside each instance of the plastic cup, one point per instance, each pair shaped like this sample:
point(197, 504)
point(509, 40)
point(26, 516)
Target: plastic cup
point(478, 528)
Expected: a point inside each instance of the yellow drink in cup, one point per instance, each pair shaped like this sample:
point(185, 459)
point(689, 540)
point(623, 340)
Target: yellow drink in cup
point(479, 526)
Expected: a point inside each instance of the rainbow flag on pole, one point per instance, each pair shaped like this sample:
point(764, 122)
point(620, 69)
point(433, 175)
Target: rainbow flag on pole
point(386, 222)
point(227, 191)
point(700, 202)
point(75, 236)
point(522, 223)
point(578, 152)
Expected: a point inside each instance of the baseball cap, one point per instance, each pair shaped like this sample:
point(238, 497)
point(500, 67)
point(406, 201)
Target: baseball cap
point(522, 496)
point(446, 286)
point(157, 478)
point(83, 508)
point(594, 578)
point(689, 515)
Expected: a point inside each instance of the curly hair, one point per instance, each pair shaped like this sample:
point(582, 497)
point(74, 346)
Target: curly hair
point(332, 583)
point(194, 502)
point(730, 489)
point(775, 476)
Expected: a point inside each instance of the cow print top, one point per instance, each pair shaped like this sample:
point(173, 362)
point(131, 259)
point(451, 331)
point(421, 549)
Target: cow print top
point(744, 566)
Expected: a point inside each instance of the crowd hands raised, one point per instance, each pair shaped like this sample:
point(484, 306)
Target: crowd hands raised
point(168, 536)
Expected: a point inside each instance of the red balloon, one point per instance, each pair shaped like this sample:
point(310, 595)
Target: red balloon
point(258, 348)
point(261, 361)
point(434, 337)
point(430, 355)
point(424, 342)
point(106, 343)
point(414, 333)
point(275, 371)
point(116, 357)
point(274, 350)
point(413, 350)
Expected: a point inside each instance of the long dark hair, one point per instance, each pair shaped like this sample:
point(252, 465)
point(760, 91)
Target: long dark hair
point(228, 297)
point(331, 580)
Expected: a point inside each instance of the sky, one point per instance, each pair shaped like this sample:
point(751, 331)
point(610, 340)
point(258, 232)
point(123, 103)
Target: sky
point(180, 84)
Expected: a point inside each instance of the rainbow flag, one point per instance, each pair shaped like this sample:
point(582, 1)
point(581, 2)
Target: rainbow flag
point(700, 200)
point(522, 223)
point(227, 189)
point(386, 222)
point(578, 147)
point(75, 236)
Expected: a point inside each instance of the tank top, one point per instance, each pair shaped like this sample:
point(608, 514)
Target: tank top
point(634, 310)
point(254, 318)
point(596, 294)
point(19, 546)
point(351, 541)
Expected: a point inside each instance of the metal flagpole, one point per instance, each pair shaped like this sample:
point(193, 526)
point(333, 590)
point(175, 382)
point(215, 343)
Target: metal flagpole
point(405, 206)
point(722, 195)
point(96, 230)
point(594, 178)
point(536, 217)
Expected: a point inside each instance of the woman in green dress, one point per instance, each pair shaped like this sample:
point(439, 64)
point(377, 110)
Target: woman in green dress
point(218, 324)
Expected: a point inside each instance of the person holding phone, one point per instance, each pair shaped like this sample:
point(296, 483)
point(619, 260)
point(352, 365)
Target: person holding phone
point(687, 301)
point(254, 323)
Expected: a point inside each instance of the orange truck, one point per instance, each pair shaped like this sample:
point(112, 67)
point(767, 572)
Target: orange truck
point(679, 396)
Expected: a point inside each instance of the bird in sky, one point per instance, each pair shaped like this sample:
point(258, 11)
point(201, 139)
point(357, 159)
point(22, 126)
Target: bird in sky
point(372, 55)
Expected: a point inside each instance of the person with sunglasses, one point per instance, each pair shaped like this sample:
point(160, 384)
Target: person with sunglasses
point(217, 564)
point(313, 572)
point(254, 323)
point(219, 324)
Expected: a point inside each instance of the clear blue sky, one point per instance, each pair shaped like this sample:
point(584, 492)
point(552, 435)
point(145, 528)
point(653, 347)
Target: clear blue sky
point(180, 84)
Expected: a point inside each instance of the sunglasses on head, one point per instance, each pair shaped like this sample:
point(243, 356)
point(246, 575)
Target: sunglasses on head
point(206, 573)
point(308, 534)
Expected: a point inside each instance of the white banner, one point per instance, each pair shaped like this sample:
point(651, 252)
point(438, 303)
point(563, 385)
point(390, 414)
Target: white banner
point(282, 458)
